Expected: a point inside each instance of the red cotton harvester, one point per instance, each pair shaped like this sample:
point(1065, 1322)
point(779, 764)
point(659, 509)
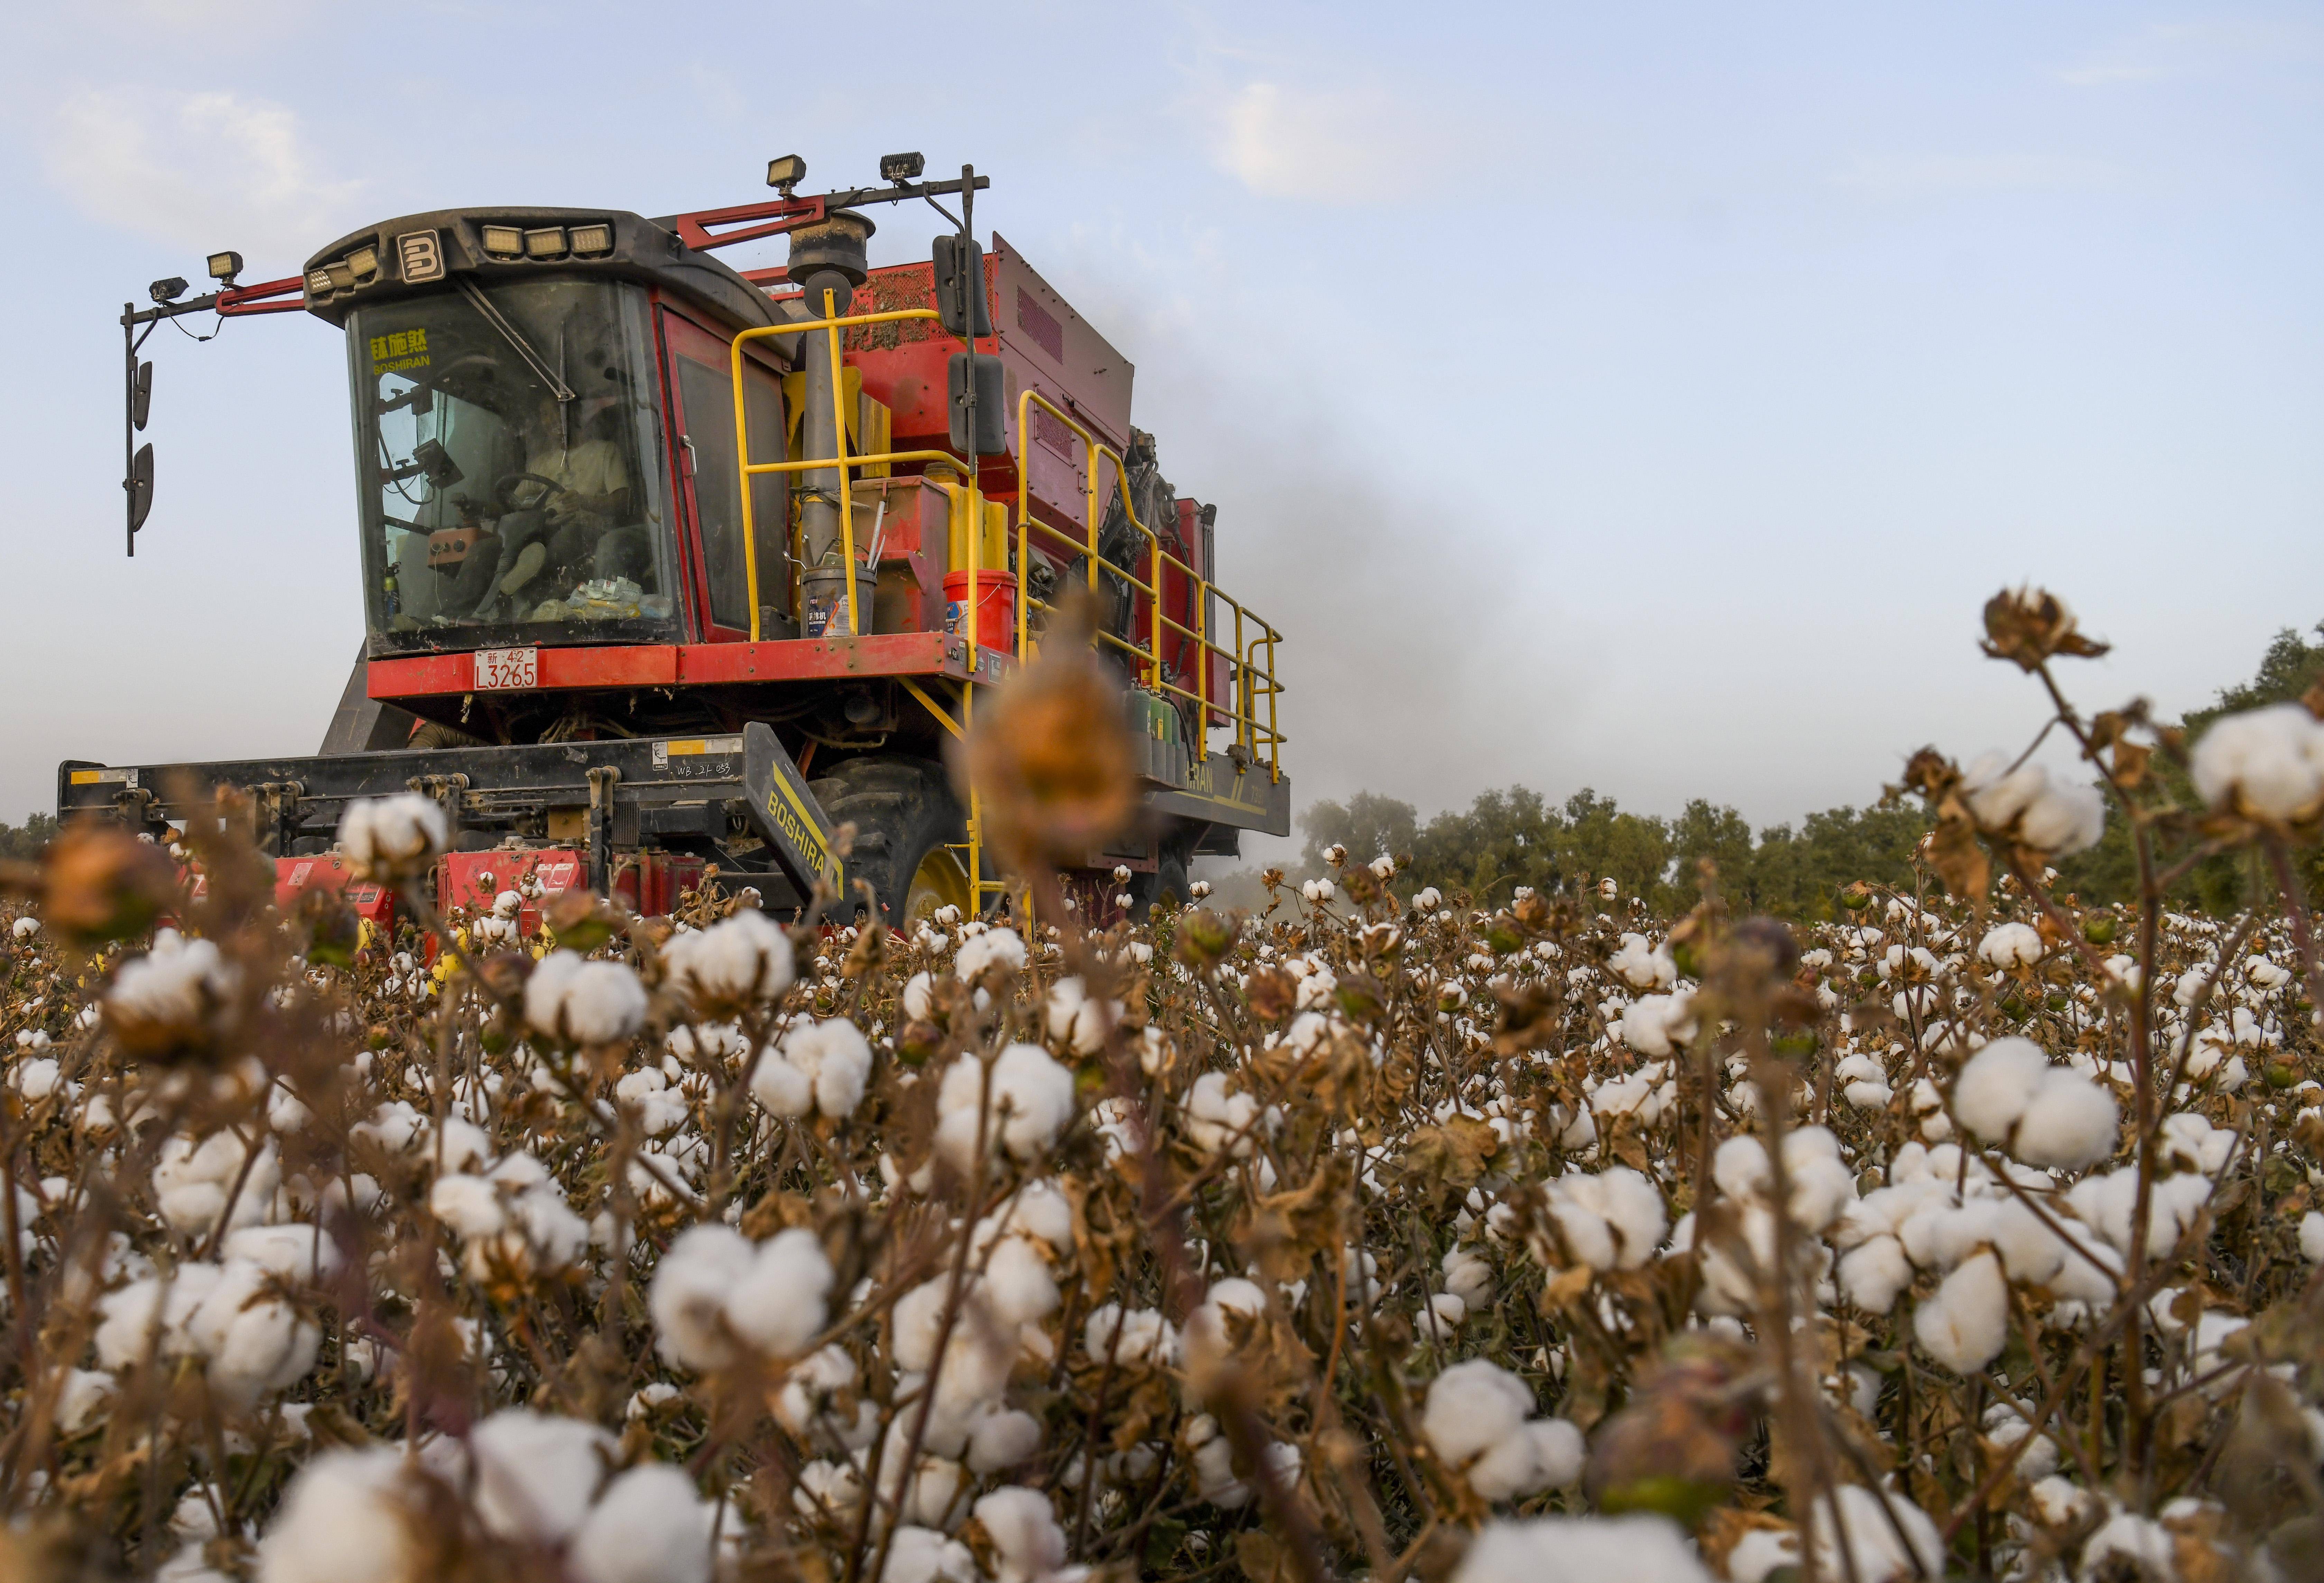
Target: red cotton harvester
point(667, 565)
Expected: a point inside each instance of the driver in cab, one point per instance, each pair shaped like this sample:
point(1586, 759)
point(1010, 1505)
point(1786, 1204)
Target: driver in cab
point(563, 508)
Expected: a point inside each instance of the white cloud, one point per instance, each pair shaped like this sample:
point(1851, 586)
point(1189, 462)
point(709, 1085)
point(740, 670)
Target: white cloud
point(1332, 145)
point(1906, 175)
point(2180, 50)
point(199, 170)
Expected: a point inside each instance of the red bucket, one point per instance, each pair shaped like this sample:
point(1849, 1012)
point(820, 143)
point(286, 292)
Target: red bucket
point(996, 608)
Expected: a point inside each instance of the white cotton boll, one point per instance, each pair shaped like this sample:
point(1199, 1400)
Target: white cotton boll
point(2311, 1238)
point(1000, 1439)
point(2006, 1427)
point(781, 1089)
point(736, 962)
point(1214, 1117)
point(84, 1394)
point(469, 1205)
point(2064, 819)
point(2269, 762)
point(1544, 1453)
point(1447, 1310)
point(687, 1299)
point(2149, 1549)
point(1468, 1276)
point(808, 1383)
point(1997, 1085)
point(537, 1474)
point(1134, 1336)
point(932, 1497)
point(191, 1182)
point(1040, 1210)
point(591, 1002)
point(2069, 1123)
point(1214, 1477)
point(1641, 966)
point(2058, 1503)
point(1652, 1023)
point(1636, 1549)
point(2008, 945)
point(1740, 1167)
point(1078, 1021)
point(297, 1254)
point(833, 1489)
point(919, 997)
point(1019, 1284)
point(343, 1521)
point(1611, 1220)
point(1470, 1406)
point(916, 1320)
point(2190, 1139)
point(836, 1057)
point(1966, 1324)
point(1032, 1100)
point(1026, 1537)
point(1873, 1273)
point(924, 1555)
point(1997, 795)
point(780, 1305)
point(387, 836)
point(2030, 1251)
point(1939, 1233)
point(256, 1344)
point(1001, 949)
point(130, 1326)
point(650, 1526)
point(1869, 1094)
point(2106, 1203)
point(1762, 1553)
point(1871, 1520)
point(1822, 1188)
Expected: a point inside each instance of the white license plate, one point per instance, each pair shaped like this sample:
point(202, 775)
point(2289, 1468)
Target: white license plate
point(507, 668)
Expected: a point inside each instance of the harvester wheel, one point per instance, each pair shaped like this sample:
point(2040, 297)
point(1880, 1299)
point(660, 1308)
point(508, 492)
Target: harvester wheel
point(1166, 887)
point(908, 835)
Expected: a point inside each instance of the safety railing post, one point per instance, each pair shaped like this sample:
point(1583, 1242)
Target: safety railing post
point(1249, 677)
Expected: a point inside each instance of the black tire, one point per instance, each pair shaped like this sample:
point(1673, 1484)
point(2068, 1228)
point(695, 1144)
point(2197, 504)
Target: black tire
point(1166, 887)
point(905, 821)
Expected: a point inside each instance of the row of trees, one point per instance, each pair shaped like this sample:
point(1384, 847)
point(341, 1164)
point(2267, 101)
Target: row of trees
point(1505, 839)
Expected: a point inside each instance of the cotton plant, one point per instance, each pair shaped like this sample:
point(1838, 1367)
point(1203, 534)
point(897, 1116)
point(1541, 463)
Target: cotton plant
point(1477, 1233)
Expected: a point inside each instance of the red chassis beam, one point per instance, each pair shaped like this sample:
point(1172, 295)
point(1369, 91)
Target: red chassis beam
point(260, 299)
point(887, 654)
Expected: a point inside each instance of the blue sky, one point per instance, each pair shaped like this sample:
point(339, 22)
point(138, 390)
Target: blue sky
point(1643, 396)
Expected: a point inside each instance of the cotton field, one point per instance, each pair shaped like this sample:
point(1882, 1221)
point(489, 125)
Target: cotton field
point(1386, 1233)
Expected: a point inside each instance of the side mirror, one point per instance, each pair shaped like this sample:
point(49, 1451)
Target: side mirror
point(959, 286)
point(139, 484)
point(141, 394)
point(990, 438)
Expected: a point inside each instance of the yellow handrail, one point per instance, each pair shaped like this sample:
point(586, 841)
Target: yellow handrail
point(1241, 659)
point(830, 324)
point(1250, 676)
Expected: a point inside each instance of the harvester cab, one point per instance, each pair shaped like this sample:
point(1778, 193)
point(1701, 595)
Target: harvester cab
point(667, 565)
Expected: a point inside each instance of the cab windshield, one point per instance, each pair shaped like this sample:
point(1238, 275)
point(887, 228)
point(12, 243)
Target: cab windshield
point(510, 460)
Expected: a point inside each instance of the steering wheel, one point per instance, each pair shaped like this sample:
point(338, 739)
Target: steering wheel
point(505, 486)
